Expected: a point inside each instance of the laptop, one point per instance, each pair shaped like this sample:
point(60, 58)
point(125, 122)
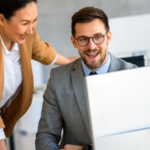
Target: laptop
point(119, 109)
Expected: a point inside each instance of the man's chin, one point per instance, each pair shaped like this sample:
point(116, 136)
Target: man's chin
point(93, 66)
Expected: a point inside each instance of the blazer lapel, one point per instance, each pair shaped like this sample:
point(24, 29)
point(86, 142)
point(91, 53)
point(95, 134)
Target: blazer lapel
point(1, 72)
point(27, 78)
point(78, 82)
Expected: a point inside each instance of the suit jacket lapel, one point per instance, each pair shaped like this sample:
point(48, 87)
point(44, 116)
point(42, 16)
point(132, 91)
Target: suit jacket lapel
point(115, 64)
point(1, 72)
point(79, 87)
point(78, 82)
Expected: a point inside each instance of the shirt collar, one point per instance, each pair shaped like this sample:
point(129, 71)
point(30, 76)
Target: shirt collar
point(15, 47)
point(103, 69)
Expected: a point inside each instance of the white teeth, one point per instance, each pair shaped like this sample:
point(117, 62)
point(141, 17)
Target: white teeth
point(92, 54)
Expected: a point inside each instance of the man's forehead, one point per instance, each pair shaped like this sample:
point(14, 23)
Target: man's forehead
point(90, 28)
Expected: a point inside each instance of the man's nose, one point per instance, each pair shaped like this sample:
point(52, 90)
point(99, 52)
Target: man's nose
point(91, 44)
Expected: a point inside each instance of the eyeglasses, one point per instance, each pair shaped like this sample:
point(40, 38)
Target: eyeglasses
point(97, 39)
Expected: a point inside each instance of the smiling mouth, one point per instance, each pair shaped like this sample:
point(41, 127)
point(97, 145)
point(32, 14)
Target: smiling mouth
point(92, 55)
point(23, 36)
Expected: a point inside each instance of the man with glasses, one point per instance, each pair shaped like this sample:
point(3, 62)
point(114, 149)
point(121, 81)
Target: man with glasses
point(65, 105)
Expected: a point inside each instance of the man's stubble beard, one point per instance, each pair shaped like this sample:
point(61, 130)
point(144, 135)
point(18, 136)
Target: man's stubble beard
point(95, 65)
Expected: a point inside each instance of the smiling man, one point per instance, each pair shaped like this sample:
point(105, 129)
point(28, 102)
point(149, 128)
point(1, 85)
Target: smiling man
point(65, 105)
point(91, 37)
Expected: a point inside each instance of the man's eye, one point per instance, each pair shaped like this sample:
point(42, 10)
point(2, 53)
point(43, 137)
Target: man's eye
point(98, 37)
point(83, 39)
point(35, 20)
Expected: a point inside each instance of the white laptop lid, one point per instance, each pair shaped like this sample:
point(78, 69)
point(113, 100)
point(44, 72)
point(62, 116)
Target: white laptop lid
point(119, 102)
point(137, 140)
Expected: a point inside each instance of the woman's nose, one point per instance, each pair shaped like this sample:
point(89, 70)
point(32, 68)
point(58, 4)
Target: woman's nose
point(29, 30)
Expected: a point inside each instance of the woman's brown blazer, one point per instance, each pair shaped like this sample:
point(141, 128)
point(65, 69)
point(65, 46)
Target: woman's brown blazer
point(32, 48)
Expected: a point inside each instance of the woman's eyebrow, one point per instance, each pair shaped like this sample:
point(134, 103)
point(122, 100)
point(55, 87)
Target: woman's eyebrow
point(28, 20)
point(25, 20)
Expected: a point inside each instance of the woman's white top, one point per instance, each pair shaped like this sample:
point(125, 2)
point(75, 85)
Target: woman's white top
point(12, 74)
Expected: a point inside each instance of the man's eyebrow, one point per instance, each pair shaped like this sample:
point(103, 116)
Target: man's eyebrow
point(99, 33)
point(93, 35)
point(82, 36)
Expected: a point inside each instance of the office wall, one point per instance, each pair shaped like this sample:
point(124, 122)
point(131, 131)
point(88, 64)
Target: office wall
point(130, 35)
point(54, 20)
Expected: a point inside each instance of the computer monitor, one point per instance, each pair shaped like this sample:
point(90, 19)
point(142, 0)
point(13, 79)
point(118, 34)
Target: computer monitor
point(119, 109)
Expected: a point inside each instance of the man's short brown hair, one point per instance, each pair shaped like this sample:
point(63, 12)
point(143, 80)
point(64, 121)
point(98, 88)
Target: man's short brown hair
point(88, 14)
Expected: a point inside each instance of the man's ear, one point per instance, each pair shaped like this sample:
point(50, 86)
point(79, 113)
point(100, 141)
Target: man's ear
point(2, 18)
point(73, 40)
point(108, 37)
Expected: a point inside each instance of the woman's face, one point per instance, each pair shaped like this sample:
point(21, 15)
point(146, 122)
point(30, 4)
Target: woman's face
point(20, 25)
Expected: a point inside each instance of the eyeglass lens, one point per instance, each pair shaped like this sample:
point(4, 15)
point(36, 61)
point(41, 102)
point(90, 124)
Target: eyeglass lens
point(98, 39)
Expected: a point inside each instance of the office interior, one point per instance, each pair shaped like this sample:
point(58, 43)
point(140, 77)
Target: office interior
point(130, 26)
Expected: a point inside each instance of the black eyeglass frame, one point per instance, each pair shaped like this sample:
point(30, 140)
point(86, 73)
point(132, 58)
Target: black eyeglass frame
point(92, 40)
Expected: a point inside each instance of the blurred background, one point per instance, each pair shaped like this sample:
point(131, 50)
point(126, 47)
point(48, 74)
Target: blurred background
point(130, 26)
point(54, 22)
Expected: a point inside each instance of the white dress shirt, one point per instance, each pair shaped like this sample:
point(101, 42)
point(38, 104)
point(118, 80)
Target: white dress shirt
point(12, 74)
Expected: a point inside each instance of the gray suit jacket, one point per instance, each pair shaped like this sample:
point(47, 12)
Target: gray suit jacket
point(65, 107)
